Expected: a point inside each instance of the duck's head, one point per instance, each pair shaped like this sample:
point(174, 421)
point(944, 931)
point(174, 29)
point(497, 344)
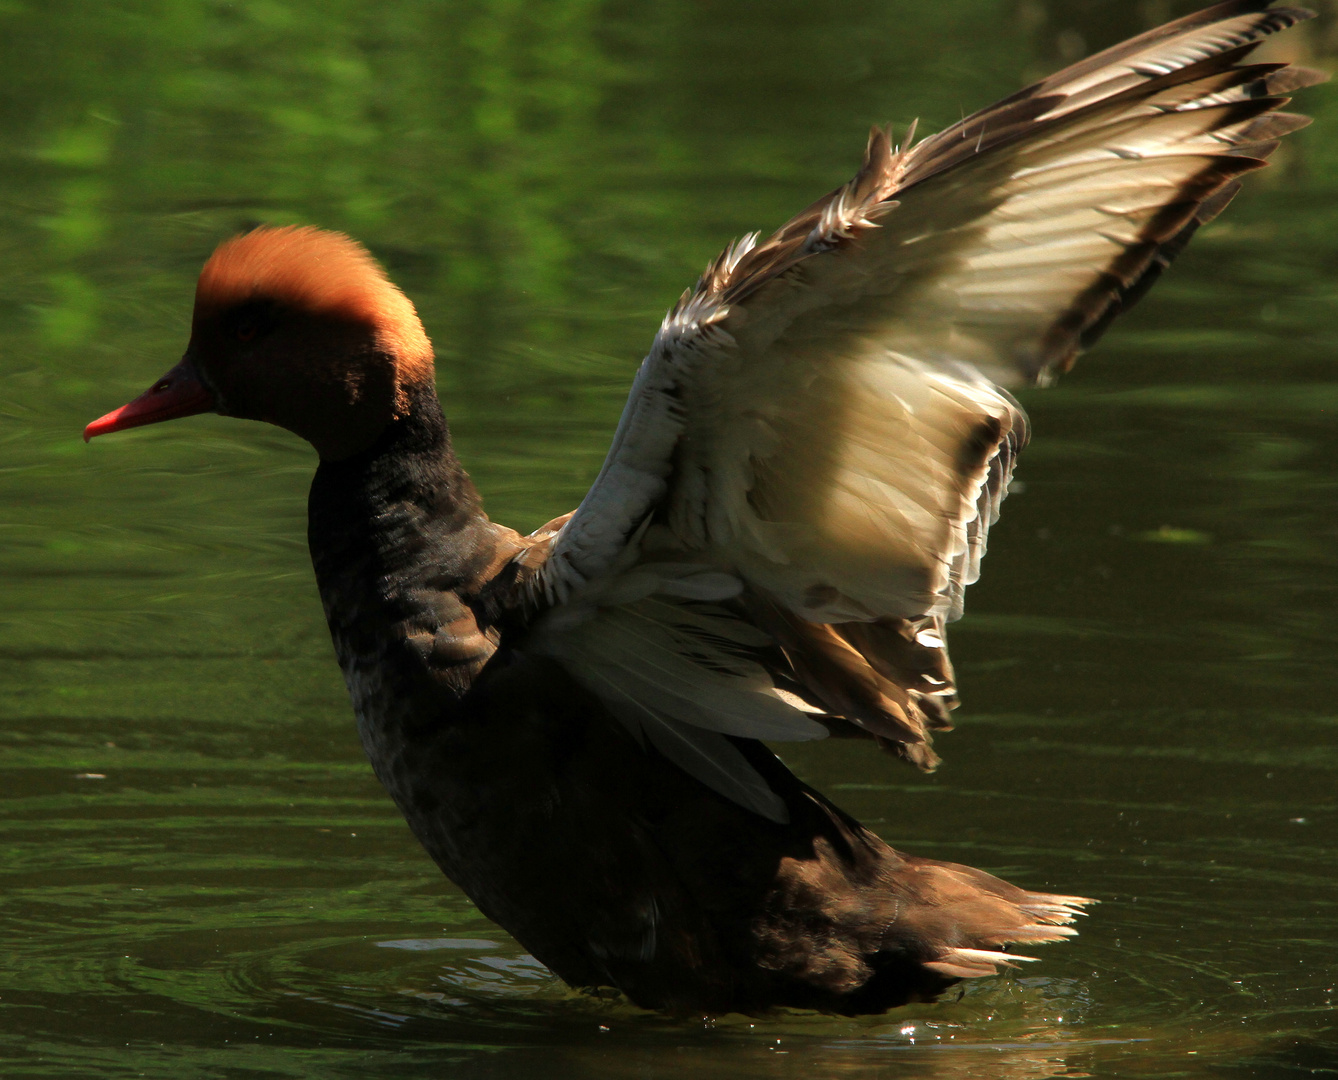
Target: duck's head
point(297, 327)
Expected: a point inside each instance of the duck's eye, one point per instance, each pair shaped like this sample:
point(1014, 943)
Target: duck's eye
point(251, 321)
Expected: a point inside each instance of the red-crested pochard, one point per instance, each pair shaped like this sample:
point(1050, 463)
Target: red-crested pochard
point(797, 494)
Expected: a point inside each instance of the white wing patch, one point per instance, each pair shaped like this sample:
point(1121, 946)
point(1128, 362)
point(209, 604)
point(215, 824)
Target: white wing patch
point(863, 486)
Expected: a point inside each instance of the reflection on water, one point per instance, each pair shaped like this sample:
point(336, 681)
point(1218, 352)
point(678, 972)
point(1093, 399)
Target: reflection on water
point(200, 877)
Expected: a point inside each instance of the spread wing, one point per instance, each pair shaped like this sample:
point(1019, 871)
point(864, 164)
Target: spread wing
point(803, 479)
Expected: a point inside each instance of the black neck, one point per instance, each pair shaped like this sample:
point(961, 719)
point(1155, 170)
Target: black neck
point(393, 523)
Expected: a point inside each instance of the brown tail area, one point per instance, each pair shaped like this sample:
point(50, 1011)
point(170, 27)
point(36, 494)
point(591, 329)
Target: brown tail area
point(970, 915)
point(851, 925)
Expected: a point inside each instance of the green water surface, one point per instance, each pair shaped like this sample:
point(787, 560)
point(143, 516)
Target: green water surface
point(199, 876)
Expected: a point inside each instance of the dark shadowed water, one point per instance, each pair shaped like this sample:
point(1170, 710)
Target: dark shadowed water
point(199, 876)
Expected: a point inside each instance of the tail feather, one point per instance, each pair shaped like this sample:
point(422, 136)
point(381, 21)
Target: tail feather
point(971, 916)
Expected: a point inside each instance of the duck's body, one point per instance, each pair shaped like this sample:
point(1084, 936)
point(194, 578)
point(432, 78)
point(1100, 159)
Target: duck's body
point(797, 495)
point(612, 865)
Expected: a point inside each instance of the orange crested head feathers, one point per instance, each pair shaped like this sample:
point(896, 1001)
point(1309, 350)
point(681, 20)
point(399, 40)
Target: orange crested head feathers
point(321, 273)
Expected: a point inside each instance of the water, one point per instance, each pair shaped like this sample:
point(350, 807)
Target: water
point(200, 877)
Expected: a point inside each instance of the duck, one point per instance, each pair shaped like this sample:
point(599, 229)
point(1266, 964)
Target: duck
point(577, 723)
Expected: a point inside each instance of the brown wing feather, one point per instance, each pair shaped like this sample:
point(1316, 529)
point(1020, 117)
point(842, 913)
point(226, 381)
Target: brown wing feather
point(824, 419)
point(877, 675)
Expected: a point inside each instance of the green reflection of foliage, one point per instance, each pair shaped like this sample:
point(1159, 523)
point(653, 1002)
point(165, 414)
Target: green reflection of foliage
point(445, 135)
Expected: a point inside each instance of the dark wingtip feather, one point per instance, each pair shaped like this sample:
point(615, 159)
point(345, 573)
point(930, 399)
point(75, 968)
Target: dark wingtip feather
point(1294, 77)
